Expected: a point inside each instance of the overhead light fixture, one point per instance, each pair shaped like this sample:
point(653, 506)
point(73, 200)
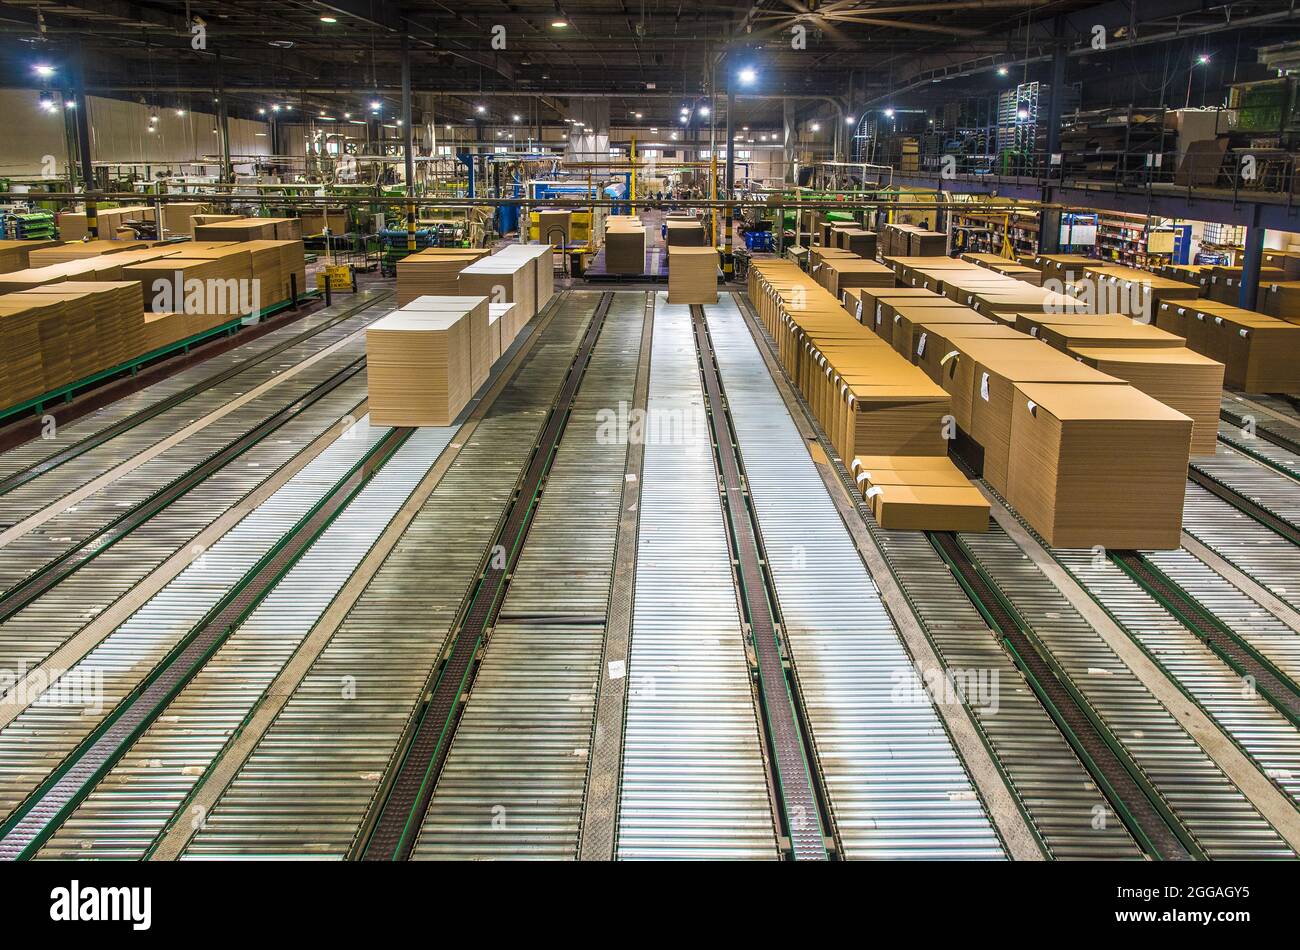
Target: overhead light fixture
point(1203, 58)
point(849, 119)
point(638, 115)
point(399, 122)
point(1002, 70)
point(376, 104)
point(288, 108)
point(559, 24)
point(480, 109)
point(69, 104)
point(329, 19)
point(744, 128)
point(816, 126)
point(889, 113)
point(447, 127)
point(261, 112)
point(747, 75)
point(43, 69)
point(275, 108)
point(704, 110)
point(655, 130)
point(180, 112)
point(685, 119)
point(347, 115)
point(1022, 114)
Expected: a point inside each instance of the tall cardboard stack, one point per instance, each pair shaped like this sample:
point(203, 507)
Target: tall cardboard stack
point(178, 217)
point(418, 367)
point(1178, 377)
point(625, 244)
point(839, 274)
point(501, 328)
point(860, 242)
point(692, 275)
point(542, 258)
point(241, 229)
point(476, 311)
point(20, 346)
point(1077, 449)
point(16, 255)
point(433, 271)
point(1261, 354)
point(111, 222)
point(502, 278)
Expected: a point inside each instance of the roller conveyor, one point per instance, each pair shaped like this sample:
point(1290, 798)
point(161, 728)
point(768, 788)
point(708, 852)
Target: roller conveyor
point(308, 784)
point(1259, 552)
point(514, 780)
point(896, 786)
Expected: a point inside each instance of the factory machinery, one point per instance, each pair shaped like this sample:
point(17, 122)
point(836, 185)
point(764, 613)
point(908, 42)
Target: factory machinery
point(631, 606)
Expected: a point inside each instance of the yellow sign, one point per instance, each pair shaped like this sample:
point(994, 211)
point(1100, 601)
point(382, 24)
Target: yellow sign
point(339, 276)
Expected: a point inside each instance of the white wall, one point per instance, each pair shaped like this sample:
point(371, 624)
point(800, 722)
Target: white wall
point(119, 132)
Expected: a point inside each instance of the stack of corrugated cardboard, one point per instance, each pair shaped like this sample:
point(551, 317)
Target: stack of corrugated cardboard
point(502, 328)
point(1224, 283)
point(103, 324)
point(178, 217)
point(21, 317)
point(920, 492)
point(110, 222)
point(692, 275)
point(433, 271)
point(64, 253)
point(683, 233)
point(625, 244)
point(1178, 377)
point(1098, 465)
point(240, 229)
point(199, 220)
point(839, 274)
point(15, 255)
point(542, 258)
point(1261, 354)
point(476, 313)
point(860, 242)
point(418, 367)
point(503, 278)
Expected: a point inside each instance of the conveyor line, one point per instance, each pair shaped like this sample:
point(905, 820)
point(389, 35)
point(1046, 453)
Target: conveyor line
point(895, 785)
point(307, 785)
point(693, 777)
point(1061, 803)
point(514, 779)
point(36, 745)
point(107, 425)
point(1208, 813)
point(61, 627)
point(401, 814)
point(150, 787)
point(1256, 550)
point(1268, 496)
point(43, 579)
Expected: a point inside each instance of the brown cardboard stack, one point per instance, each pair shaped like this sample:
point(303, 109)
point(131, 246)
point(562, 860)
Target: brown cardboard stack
point(163, 329)
point(502, 328)
point(1288, 262)
point(877, 312)
point(31, 277)
point(111, 221)
point(541, 258)
point(910, 340)
point(502, 278)
point(942, 345)
point(1179, 378)
point(198, 220)
point(1067, 336)
point(995, 379)
point(63, 253)
point(265, 260)
point(1280, 299)
point(920, 493)
point(958, 373)
point(163, 283)
point(433, 271)
point(1065, 268)
point(555, 227)
point(692, 275)
point(682, 233)
point(15, 255)
point(860, 242)
point(1225, 282)
point(476, 313)
point(418, 368)
point(625, 244)
point(839, 274)
point(20, 346)
point(70, 349)
point(1261, 353)
point(178, 217)
point(315, 222)
point(241, 229)
point(287, 229)
point(1098, 465)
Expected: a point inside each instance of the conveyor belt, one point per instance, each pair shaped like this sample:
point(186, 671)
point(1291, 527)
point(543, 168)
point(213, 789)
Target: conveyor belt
point(1194, 791)
point(37, 583)
point(1268, 496)
point(1209, 677)
point(798, 797)
point(35, 746)
point(1259, 552)
point(92, 602)
point(150, 786)
point(399, 818)
point(895, 786)
point(108, 426)
point(693, 778)
point(1271, 442)
point(514, 779)
point(305, 788)
point(1065, 810)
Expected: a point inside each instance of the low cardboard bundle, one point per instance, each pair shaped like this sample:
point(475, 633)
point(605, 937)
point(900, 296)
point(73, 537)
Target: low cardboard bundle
point(684, 234)
point(15, 255)
point(1179, 378)
point(21, 319)
point(875, 313)
point(860, 242)
point(1224, 283)
point(433, 271)
point(502, 328)
point(1261, 354)
point(476, 312)
point(942, 344)
point(911, 341)
point(418, 368)
point(920, 493)
point(1281, 299)
point(692, 275)
point(1064, 337)
point(241, 229)
point(839, 274)
point(1098, 465)
point(178, 217)
point(502, 278)
point(163, 329)
point(199, 220)
point(78, 250)
point(625, 244)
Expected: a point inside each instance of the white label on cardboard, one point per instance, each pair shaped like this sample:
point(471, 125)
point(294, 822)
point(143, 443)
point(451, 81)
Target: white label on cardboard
point(920, 344)
point(1033, 407)
point(877, 314)
point(1244, 333)
point(1033, 331)
point(947, 356)
point(873, 491)
point(862, 477)
point(1181, 311)
point(859, 313)
point(984, 387)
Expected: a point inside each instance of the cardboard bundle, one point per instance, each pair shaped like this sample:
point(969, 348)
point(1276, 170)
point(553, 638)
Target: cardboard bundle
point(920, 493)
point(1288, 262)
point(1026, 298)
point(69, 348)
point(163, 283)
point(1281, 299)
point(1067, 336)
point(502, 328)
point(995, 379)
point(163, 329)
point(31, 277)
point(692, 275)
point(1129, 291)
point(911, 340)
point(860, 242)
point(178, 217)
point(958, 374)
point(625, 244)
point(63, 253)
point(315, 222)
point(433, 271)
point(1192, 320)
point(503, 278)
point(877, 312)
point(542, 258)
point(683, 233)
point(923, 243)
point(1033, 324)
point(1261, 354)
point(1178, 377)
point(1098, 465)
point(15, 255)
point(116, 327)
point(1065, 268)
point(555, 227)
point(110, 222)
point(286, 229)
point(418, 368)
point(476, 312)
point(838, 274)
point(1224, 284)
point(240, 229)
point(941, 346)
point(199, 220)
point(23, 375)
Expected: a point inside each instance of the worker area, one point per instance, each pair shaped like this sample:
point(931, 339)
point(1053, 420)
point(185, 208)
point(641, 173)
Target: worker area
point(582, 432)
